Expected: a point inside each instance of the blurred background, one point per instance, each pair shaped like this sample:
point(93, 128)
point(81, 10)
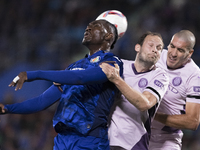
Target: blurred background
point(47, 35)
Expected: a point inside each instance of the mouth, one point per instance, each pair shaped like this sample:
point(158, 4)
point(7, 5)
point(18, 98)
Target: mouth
point(171, 59)
point(153, 56)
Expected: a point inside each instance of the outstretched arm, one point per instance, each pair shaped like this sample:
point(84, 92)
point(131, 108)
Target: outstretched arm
point(77, 77)
point(143, 101)
point(46, 99)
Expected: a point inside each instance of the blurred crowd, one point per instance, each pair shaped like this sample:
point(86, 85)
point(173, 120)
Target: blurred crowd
point(48, 34)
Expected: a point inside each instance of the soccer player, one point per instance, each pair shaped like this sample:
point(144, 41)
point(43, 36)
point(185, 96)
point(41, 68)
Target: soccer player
point(85, 94)
point(180, 106)
point(142, 89)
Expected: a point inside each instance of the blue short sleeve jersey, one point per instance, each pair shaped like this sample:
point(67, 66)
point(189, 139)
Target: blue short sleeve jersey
point(85, 108)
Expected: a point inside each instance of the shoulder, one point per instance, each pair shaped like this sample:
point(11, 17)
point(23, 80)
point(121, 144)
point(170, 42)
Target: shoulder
point(190, 70)
point(163, 58)
point(191, 66)
point(127, 64)
point(158, 72)
point(125, 61)
point(111, 57)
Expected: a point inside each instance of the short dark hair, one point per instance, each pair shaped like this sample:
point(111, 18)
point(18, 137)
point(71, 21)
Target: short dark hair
point(142, 38)
point(115, 34)
point(114, 30)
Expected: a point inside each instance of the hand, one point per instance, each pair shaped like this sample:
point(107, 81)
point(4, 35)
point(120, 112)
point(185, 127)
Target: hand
point(2, 110)
point(19, 80)
point(111, 72)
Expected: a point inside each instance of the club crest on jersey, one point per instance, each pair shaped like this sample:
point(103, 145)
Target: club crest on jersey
point(142, 83)
point(177, 81)
point(96, 59)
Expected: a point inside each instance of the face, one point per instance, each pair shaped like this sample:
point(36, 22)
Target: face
point(150, 50)
point(178, 54)
point(95, 33)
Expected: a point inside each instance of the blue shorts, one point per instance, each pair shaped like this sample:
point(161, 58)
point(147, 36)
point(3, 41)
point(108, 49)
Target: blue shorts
point(73, 141)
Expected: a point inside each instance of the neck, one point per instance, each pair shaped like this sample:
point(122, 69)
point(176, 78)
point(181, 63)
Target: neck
point(92, 51)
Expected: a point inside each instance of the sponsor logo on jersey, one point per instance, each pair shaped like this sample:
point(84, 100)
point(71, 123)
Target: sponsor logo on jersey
point(158, 83)
point(142, 83)
point(77, 69)
point(196, 88)
point(173, 89)
point(177, 81)
point(95, 60)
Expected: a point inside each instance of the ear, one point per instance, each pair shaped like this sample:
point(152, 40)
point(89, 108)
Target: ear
point(108, 36)
point(137, 47)
point(191, 52)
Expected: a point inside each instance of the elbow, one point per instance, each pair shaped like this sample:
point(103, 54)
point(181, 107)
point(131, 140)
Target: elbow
point(144, 107)
point(194, 125)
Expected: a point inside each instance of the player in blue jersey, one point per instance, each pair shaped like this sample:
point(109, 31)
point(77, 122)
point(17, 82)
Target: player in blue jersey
point(84, 93)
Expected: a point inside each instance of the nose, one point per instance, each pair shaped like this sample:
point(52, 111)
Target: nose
point(174, 52)
point(154, 49)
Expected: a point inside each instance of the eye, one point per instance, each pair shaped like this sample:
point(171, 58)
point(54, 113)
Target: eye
point(172, 46)
point(151, 45)
point(181, 50)
point(159, 48)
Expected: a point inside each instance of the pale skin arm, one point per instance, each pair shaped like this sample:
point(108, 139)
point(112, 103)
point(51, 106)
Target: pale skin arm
point(190, 120)
point(142, 101)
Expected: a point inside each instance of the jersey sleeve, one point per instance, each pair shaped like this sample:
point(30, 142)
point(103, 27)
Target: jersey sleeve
point(111, 59)
point(193, 88)
point(92, 75)
point(70, 77)
point(159, 84)
point(46, 99)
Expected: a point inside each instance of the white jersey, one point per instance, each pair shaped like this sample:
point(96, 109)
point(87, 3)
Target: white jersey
point(184, 87)
point(129, 127)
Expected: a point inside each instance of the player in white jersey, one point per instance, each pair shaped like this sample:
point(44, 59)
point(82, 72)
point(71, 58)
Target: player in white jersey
point(142, 89)
point(181, 103)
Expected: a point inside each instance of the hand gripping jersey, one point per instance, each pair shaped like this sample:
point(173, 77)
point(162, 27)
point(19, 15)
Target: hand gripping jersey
point(184, 87)
point(130, 128)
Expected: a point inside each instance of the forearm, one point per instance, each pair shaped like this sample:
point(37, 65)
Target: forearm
point(89, 76)
point(136, 98)
point(182, 121)
point(49, 97)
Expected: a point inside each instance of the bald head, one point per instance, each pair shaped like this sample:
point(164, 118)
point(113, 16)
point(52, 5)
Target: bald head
point(186, 36)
